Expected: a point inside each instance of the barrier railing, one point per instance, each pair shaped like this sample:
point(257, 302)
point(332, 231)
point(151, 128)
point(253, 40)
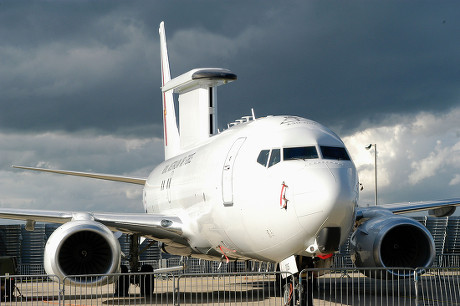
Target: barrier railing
point(30, 289)
point(194, 265)
point(267, 288)
point(434, 286)
point(128, 289)
point(439, 286)
point(441, 261)
point(358, 287)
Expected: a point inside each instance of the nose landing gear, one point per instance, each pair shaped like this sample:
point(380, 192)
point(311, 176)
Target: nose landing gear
point(301, 289)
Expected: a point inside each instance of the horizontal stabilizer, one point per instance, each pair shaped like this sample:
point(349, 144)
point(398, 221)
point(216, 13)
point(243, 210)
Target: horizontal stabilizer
point(198, 102)
point(199, 78)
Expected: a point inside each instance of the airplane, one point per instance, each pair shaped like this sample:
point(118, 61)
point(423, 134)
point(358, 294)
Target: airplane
point(280, 189)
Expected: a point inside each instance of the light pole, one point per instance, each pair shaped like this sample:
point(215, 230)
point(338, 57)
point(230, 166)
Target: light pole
point(375, 167)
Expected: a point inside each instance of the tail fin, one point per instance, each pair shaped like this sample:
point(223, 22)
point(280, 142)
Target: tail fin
point(171, 132)
point(197, 103)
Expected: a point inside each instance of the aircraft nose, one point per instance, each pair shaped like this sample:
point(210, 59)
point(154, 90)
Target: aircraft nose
point(325, 194)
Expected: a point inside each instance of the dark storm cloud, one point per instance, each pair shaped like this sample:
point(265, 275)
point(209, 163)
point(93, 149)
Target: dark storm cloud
point(342, 65)
point(79, 65)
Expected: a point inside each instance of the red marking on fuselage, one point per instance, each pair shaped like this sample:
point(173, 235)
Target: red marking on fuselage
point(283, 200)
point(325, 256)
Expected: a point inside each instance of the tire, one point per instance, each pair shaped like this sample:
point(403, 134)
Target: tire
point(288, 294)
point(7, 285)
point(307, 292)
point(122, 284)
point(147, 283)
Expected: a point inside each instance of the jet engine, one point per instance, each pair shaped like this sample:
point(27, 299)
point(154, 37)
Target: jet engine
point(82, 247)
point(390, 241)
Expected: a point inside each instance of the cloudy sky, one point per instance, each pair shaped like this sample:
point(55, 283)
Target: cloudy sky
point(79, 88)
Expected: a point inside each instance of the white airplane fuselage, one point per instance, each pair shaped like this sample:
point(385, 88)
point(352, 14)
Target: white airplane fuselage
point(233, 204)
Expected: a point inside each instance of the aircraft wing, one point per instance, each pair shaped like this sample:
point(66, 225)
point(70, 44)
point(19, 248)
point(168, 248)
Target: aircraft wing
point(159, 227)
point(408, 207)
point(100, 176)
point(156, 226)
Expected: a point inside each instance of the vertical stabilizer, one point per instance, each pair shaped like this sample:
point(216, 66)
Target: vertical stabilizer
point(171, 132)
point(197, 103)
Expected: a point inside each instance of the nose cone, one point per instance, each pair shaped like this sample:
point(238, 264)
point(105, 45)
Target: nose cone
point(325, 195)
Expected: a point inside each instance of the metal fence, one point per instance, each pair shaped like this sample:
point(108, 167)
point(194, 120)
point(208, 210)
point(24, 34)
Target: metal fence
point(267, 288)
point(435, 286)
point(30, 289)
point(441, 261)
point(194, 265)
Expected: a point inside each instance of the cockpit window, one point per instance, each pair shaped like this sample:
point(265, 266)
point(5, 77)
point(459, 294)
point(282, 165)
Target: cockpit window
point(263, 157)
point(300, 153)
point(334, 153)
point(275, 157)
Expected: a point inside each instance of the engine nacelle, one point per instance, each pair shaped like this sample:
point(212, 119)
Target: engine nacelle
point(390, 241)
point(80, 248)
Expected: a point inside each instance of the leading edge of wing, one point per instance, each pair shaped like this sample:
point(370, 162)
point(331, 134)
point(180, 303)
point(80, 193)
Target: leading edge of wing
point(160, 227)
point(409, 207)
point(52, 216)
point(100, 176)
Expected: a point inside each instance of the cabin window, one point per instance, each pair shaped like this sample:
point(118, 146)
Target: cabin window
point(337, 153)
point(300, 153)
point(263, 157)
point(275, 157)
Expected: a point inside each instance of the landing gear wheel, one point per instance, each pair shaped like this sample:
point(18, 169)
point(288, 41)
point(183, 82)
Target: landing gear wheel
point(147, 283)
point(288, 294)
point(122, 284)
point(306, 292)
point(8, 285)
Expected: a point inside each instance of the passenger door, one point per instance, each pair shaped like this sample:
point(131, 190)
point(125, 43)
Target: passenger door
point(227, 172)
